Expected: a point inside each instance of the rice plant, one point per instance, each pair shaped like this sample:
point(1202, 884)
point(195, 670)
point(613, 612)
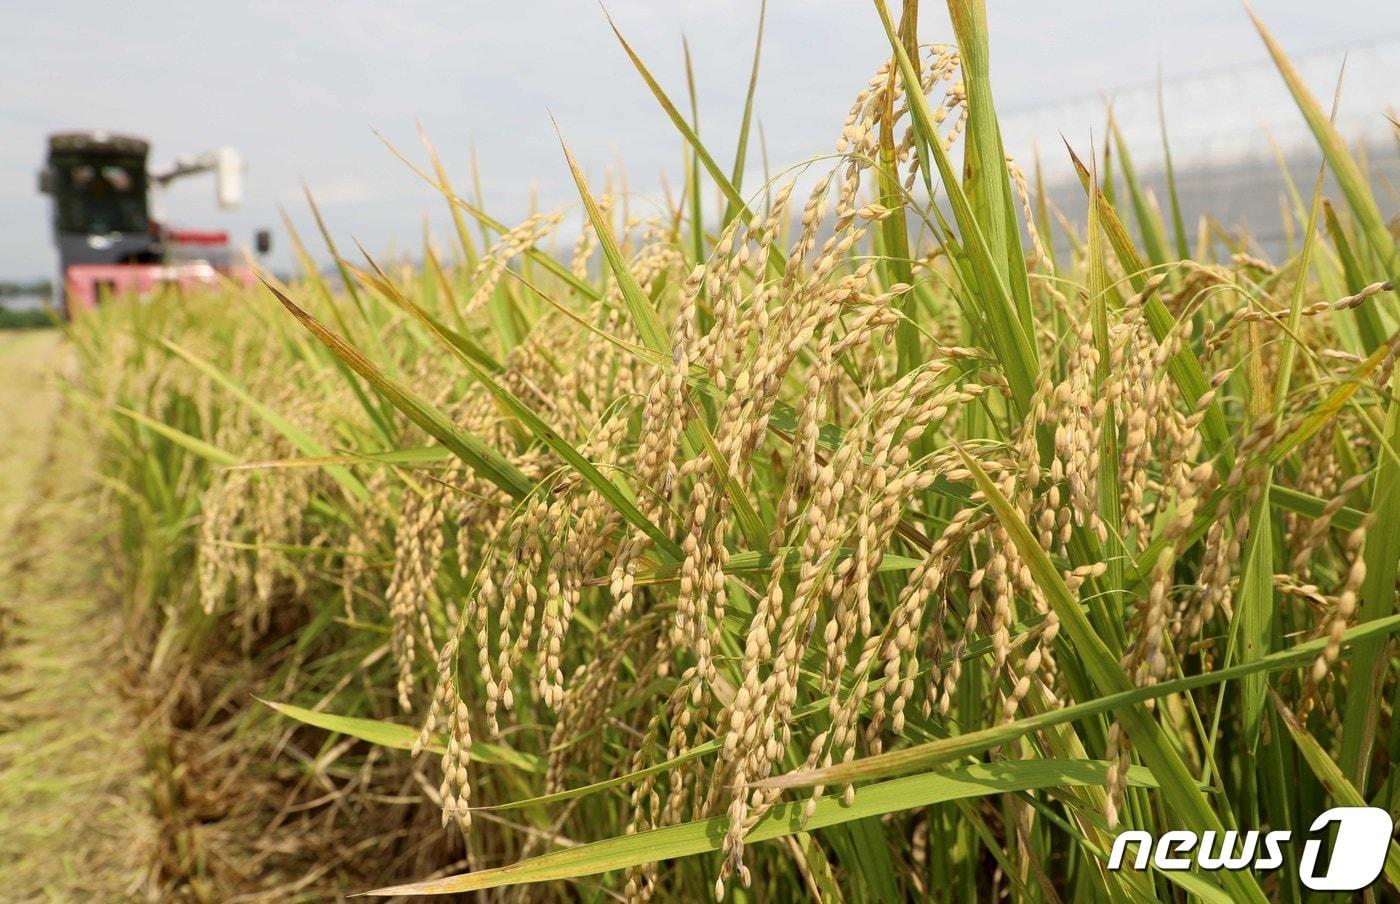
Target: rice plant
point(874, 535)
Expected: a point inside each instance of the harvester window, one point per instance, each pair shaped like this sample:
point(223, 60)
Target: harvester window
point(99, 196)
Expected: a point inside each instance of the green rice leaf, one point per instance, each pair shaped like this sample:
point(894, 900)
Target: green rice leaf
point(973, 743)
point(294, 434)
point(401, 737)
point(707, 835)
point(193, 444)
point(482, 458)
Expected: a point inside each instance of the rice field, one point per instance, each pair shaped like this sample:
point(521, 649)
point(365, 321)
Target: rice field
point(874, 534)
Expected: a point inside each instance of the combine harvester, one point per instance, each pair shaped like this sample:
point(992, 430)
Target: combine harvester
point(108, 223)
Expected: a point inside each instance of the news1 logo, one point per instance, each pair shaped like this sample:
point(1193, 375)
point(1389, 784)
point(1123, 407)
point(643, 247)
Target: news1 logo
point(1355, 860)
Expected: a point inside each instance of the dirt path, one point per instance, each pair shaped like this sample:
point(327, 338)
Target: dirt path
point(74, 812)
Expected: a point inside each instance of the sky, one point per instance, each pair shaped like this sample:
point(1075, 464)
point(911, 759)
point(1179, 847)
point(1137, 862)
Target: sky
point(300, 88)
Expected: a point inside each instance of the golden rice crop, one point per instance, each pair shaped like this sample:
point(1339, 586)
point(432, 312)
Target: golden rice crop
point(843, 545)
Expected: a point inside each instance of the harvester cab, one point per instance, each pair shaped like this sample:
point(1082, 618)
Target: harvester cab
point(108, 225)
